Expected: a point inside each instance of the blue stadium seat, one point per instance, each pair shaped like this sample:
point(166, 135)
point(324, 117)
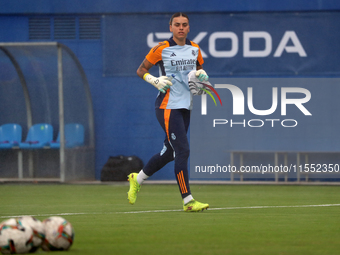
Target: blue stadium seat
point(39, 136)
point(74, 136)
point(10, 135)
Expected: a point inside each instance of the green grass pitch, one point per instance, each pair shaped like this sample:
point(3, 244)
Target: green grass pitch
point(242, 219)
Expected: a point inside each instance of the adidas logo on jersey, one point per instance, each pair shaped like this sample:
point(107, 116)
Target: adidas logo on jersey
point(173, 54)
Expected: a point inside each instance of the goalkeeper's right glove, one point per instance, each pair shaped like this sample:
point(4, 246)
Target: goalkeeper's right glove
point(161, 83)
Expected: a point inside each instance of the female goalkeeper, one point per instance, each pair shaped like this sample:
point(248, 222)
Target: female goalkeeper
point(176, 57)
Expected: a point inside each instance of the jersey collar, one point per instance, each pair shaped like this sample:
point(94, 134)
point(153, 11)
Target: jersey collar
point(173, 43)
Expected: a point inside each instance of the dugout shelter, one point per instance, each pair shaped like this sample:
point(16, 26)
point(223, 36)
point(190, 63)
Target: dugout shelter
point(44, 91)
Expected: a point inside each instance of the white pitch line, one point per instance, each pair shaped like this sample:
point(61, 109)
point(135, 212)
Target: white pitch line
point(45, 215)
point(236, 208)
point(153, 211)
point(274, 206)
point(180, 210)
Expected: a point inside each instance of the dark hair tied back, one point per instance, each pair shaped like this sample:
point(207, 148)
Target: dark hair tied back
point(178, 14)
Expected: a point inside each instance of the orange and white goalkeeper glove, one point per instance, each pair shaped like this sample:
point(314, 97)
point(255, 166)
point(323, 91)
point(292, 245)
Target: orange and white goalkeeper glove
point(162, 83)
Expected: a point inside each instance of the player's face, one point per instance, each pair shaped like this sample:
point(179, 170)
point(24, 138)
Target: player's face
point(180, 28)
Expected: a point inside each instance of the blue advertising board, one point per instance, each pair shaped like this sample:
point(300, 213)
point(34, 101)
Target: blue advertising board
point(232, 44)
point(263, 51)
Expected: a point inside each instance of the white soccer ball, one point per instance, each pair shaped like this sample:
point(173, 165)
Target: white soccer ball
point(37, 228)
point(59, 234)
point(15, 238)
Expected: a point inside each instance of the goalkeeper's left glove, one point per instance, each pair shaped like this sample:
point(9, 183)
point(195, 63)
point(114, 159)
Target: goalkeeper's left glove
point(196, 87)
point(202, 75)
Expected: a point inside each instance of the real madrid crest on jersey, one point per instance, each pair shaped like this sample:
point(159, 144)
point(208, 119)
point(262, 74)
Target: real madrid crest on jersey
point(194, 53)
point(173, 136)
